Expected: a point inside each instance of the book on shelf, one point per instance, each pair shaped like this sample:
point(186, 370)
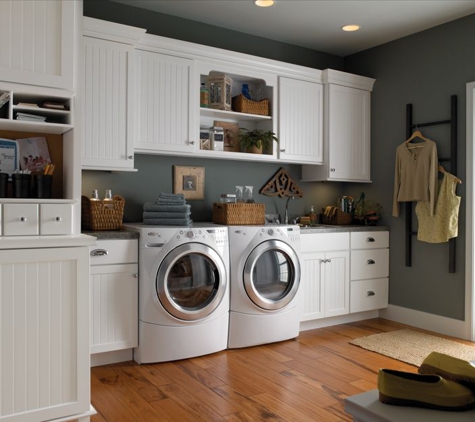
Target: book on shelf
point(55, 106)
point(34, 105)
point(33, 153)
point(4, 98)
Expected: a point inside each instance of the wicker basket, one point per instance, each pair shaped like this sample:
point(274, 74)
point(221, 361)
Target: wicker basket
point(243, 105)
point(96, 215)
point(339, 219)
point(239, 214)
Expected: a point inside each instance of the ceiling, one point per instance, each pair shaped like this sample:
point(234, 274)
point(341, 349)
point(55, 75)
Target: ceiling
point(316, 24)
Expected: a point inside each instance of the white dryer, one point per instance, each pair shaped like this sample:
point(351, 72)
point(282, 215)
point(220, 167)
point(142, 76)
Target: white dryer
point(265, 281)
point(183, 291)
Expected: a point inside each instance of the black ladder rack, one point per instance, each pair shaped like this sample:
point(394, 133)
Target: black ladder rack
point(453, 169)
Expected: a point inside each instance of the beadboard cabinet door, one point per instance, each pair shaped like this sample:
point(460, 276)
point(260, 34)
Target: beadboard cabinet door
point(300, 121)
point(107, 107)
point(164, 103)
point(37, 42)
point(44, 348)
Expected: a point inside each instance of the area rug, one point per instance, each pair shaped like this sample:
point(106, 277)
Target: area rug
point(413, 347)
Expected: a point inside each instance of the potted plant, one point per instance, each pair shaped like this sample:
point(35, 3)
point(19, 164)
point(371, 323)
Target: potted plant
point(254, 141)
point(367, 211)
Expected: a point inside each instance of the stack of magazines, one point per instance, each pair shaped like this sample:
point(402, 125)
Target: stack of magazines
point(30, 117)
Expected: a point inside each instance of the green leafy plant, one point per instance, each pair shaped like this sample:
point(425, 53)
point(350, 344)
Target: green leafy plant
point(367, 211)
point(257, 138)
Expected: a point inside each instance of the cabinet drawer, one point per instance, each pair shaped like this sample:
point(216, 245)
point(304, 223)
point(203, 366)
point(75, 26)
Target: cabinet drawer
point(324, 242)
point(20, 219)
point(366, 295)
point(115, 251)
point(369, 240)
point(56, 219)
point(373, 263)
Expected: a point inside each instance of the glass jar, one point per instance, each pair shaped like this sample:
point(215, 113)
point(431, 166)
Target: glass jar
point(216, 136)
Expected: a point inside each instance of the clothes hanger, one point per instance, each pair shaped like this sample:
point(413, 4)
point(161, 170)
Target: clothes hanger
point(416, 134)
point(442, 170)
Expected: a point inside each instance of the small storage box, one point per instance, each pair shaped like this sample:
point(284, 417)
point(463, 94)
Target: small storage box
point(239, 214)
point(102, 215)
point(244, 105)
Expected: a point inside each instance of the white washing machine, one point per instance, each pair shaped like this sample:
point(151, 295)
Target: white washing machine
point(265, 282)
point(183, 291)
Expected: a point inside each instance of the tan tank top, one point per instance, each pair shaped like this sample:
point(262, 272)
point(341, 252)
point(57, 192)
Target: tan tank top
point(443, 225)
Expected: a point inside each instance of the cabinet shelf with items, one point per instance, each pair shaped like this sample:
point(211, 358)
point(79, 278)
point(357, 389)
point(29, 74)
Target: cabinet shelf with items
point(231, 115)
point(36, 113)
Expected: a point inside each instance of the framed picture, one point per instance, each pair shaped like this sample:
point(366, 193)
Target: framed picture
point(190, 181)
point(231, 135)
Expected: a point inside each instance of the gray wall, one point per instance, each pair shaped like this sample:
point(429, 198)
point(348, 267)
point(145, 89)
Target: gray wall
point(425, 70)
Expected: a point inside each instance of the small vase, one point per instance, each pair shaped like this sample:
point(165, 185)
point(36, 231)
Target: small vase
point(255, 150)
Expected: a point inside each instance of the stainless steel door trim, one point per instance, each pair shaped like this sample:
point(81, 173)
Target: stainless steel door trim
point(162, 275)
point(254, 295)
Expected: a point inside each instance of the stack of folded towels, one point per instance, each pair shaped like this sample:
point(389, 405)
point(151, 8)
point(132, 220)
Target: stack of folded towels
point(169, 210)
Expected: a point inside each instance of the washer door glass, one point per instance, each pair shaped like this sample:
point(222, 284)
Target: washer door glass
point(191, 281)
point(272, 275)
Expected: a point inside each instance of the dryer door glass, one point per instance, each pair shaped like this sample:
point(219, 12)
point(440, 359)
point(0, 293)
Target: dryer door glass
point(191, 281)
point(272, 275)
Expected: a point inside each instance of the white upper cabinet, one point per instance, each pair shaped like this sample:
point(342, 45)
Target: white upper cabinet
point(300, 121)
point(164, 103)
point(347, 137)
point(108, 95)
point(37, 42)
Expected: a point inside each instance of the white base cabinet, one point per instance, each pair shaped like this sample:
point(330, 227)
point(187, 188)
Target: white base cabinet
point(114, 295)
point(325, 275)
point(44, 349)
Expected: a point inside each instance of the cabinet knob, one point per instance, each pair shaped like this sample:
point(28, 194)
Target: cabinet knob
point(282, 150)
point(332, 169)
point(135, 275)
point(370, 293)
point(22, 218)
point(370, 239)
point(99, 252)
point(130, 157)
point(57, 219)
point(191, 142)
point(371, 262)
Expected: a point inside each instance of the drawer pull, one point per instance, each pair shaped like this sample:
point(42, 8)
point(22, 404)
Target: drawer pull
point(135, 275)
point(58, 219)
point(370, 239)
point(371, 262)
point(370, 293)
point(22, 218)
point(99, 252)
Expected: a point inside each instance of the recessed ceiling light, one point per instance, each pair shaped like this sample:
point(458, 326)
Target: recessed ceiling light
point(350, 28)
point(264, 3)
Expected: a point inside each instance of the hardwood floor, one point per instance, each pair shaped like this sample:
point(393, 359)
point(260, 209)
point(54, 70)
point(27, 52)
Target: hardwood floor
point(305, 379)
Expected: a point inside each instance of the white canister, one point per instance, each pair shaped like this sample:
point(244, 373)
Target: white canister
point(216, 135)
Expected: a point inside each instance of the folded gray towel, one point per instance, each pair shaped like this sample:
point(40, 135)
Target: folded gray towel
point(154, 214)
point(170, 201)
point(168, 221)
point(164, 195)
point(150, 206)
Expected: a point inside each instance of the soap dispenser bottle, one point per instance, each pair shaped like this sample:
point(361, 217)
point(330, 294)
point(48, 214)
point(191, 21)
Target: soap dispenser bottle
point(313, 215)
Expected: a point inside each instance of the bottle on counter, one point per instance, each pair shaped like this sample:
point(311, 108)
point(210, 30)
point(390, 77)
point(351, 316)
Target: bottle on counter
point(95, 195)
point(249, 195)
point(108, 202)
point(313, 215)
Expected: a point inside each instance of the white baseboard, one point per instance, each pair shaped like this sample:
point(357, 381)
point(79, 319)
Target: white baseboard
point(436, 323)
point(343, 319)
point(106, 358)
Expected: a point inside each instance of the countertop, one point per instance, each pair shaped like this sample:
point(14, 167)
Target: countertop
point(111, 234)
point(322, 228)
